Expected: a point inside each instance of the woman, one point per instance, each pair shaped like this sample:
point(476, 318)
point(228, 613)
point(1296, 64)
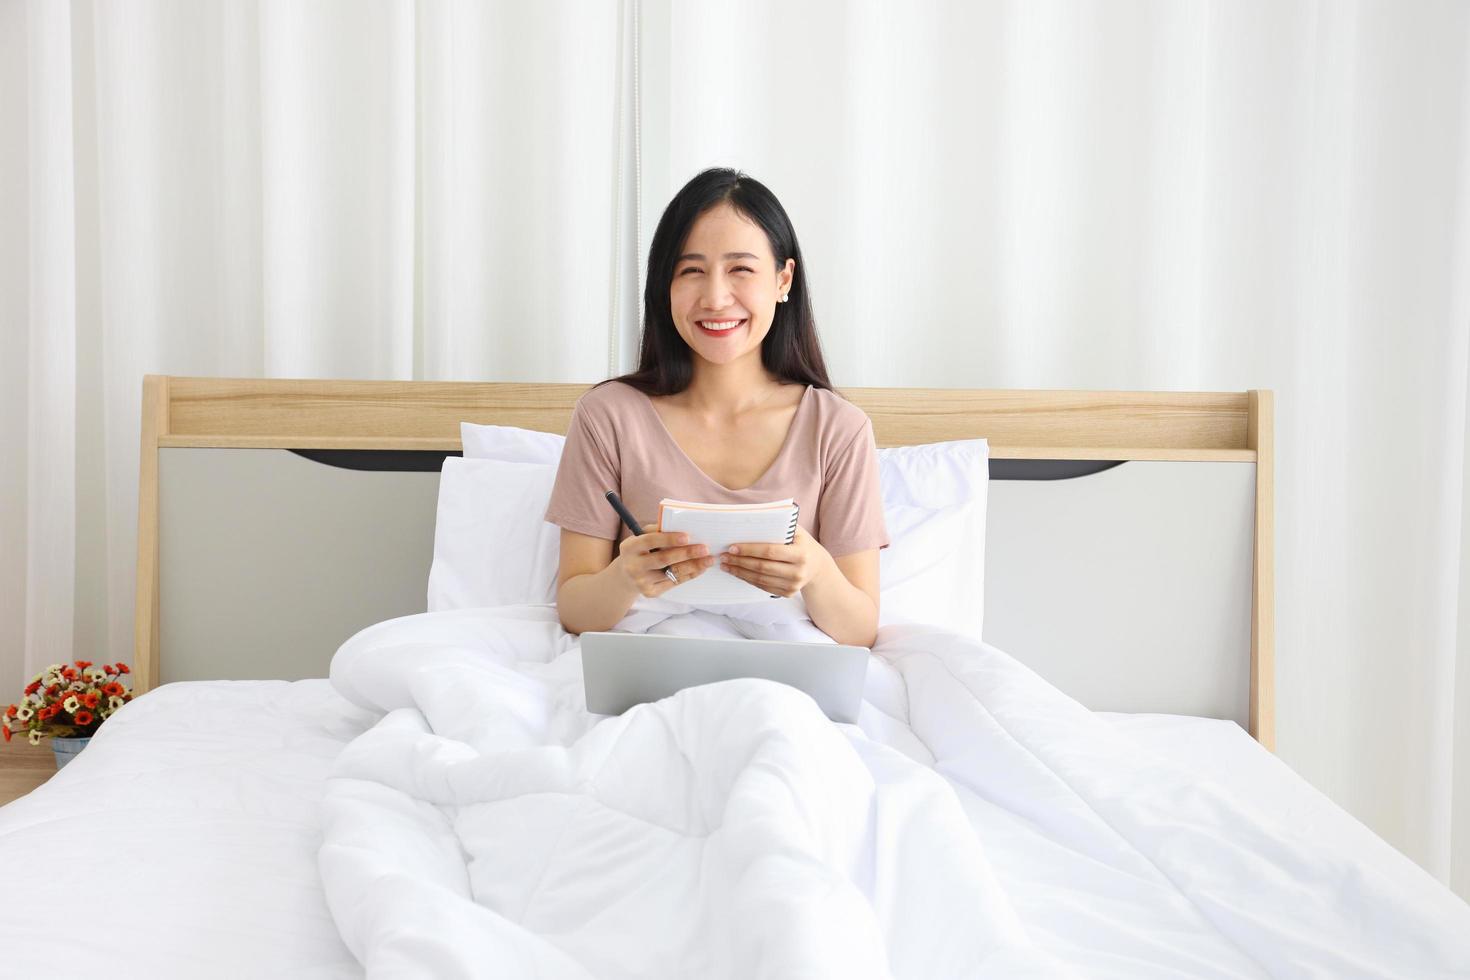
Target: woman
point(730, 404)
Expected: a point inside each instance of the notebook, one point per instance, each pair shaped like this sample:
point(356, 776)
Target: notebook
point(718, 526)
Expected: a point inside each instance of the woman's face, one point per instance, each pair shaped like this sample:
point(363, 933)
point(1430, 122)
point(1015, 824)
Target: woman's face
point(726, 285)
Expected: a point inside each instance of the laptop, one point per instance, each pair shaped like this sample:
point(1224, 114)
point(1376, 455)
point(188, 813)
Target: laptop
point(620, 670)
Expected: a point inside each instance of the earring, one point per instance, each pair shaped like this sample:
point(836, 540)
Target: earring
point(784, 297)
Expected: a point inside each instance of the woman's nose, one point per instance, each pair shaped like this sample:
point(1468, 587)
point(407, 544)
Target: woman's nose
point(716, 292)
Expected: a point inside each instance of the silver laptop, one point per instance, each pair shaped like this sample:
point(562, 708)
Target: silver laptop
point(620, 670)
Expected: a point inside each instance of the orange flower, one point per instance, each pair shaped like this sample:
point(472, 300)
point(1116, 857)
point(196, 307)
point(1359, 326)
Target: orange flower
point(84, 664)
point(10, 711)
point(69, 673)
point(6, 730)
point(53, 689)
point(83, 717)
point(90, 699)
point(113, 689)
point(33, 687)
point(124, 669)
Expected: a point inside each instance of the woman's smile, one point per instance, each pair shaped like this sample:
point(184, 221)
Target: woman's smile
point(722, 327)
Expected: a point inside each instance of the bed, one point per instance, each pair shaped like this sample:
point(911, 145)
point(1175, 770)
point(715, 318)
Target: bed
point(986, 817)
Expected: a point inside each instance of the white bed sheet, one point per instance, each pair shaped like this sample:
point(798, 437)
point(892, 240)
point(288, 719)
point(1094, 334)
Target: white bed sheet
point(1222, 752)
point(1066, 902)
point(184, 841)
point(1079, 842)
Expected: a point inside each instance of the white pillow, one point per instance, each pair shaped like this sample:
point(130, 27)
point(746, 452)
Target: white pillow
point(934, 500)
point(492, 546)
point(510, 443)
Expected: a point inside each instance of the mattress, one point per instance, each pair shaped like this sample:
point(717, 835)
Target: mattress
point(184, 841)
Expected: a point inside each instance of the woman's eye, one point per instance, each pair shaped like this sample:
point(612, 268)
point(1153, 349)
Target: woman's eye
point(689, 270)
point(742, 268)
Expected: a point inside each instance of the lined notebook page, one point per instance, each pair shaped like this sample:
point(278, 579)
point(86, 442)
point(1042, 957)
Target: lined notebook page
point(718, 526)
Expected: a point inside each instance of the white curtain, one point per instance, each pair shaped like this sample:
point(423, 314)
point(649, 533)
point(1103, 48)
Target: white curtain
point(1148, 195)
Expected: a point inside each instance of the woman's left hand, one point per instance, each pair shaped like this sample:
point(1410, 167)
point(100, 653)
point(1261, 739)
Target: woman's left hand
point(781, 569)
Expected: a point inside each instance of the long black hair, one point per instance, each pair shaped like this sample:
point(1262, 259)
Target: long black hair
point(790, 349)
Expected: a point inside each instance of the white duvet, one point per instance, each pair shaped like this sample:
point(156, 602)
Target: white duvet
point(489, 826)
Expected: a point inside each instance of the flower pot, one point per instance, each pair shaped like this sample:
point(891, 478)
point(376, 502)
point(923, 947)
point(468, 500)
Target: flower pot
point(66, 749)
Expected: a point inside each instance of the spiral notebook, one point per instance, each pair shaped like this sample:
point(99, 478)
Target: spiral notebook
point(718, 526)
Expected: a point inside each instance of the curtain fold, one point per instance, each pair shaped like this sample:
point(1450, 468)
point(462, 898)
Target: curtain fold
point(1151, 195)
point(519, 143)
point(37, 434)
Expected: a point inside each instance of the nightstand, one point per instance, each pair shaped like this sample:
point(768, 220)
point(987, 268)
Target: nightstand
point(23, 767)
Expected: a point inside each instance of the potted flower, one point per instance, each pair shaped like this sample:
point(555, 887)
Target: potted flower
point(68, 703)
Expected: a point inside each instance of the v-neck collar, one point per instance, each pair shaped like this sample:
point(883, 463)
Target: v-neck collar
point(780, 453)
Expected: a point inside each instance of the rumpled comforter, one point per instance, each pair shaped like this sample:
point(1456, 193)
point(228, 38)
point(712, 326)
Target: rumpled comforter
point(490, 826)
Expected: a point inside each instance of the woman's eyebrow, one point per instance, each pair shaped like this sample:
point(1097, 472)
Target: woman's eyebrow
point(698, 257)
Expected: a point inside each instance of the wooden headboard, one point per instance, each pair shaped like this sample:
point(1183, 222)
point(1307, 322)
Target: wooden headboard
point(425, 415)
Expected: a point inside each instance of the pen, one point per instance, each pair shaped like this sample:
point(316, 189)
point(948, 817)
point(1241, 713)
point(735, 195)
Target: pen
point(637, 529)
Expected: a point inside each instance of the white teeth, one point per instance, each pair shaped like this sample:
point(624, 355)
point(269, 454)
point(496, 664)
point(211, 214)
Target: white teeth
point(716, 327)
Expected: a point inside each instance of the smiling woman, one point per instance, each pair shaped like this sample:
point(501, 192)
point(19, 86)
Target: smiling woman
point(730, 404)
point(712, 296)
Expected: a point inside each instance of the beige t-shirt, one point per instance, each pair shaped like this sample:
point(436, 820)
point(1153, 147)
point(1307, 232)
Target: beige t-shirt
point(617, 441)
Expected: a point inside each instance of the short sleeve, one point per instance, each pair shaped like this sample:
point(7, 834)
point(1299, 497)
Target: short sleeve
point(588, 470)
point(850, 511)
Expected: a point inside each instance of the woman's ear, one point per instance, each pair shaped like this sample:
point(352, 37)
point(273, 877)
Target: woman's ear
point(784, 277)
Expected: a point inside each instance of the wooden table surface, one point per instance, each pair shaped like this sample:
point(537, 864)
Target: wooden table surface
point(23, 767)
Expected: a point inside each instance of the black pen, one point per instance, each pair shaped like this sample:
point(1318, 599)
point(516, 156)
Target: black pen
point(637, 530)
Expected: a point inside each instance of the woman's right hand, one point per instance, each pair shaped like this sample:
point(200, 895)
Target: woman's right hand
point(644, 568)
